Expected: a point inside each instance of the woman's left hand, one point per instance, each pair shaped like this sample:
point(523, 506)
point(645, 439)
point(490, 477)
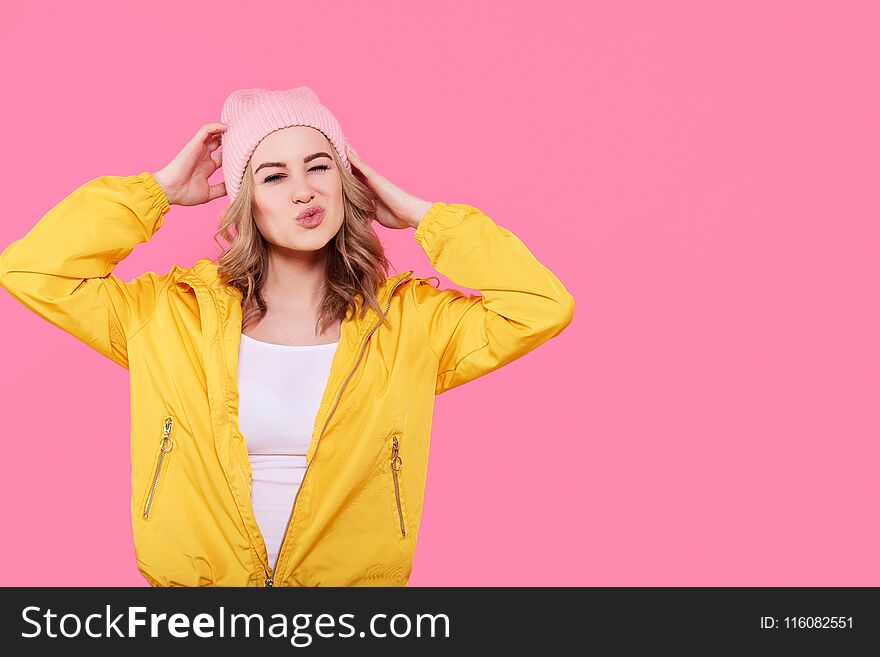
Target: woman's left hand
point(395, 208)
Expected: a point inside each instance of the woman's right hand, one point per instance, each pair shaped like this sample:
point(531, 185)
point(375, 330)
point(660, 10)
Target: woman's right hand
point(185, 179)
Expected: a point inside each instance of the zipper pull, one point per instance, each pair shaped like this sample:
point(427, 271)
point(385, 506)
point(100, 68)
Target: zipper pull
point(166, 443)
point(396, 461)
point(268, 582)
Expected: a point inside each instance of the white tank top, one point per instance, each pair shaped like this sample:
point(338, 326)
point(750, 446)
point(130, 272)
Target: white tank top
point(280, 388)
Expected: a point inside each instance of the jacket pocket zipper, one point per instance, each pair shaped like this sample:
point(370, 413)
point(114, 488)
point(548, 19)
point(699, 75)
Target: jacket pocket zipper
point(396, 464)
point(165, 446)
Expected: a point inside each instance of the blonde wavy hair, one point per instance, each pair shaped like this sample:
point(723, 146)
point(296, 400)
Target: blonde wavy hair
point(356, 261)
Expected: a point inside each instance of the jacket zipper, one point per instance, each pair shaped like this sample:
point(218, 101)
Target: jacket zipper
point(165, 446)
point(396, 464)
point(269, 579)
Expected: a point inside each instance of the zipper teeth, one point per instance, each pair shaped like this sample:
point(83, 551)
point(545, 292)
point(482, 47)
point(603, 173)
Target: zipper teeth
point(269, 580)
point(165, 437)
point(395, 459)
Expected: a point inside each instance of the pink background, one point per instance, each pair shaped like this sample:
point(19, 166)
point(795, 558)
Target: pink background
point(702, 179)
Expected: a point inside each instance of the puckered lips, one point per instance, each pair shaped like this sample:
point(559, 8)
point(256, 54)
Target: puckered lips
point(311, 216)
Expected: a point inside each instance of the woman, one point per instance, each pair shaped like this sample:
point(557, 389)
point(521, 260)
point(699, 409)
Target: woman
point(281, 398)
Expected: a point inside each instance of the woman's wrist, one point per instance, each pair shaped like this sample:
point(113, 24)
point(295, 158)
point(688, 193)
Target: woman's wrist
point(419, 211)
point(160, 180)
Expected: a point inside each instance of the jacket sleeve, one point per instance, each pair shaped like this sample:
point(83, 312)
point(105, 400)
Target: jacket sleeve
point(520, 306)
point(62, 268)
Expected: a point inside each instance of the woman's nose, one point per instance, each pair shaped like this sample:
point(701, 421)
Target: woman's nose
point(302, 192)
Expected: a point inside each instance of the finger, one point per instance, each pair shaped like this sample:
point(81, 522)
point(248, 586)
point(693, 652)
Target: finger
point(211, 129)
point(355, 159)
point(218, 158)
point(216, 191)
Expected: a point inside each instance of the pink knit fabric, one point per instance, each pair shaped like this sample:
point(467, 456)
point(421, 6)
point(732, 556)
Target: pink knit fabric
point(254, 113)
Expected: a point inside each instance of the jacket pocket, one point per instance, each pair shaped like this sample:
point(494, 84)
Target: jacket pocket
point(396, 467)
point(163, 458)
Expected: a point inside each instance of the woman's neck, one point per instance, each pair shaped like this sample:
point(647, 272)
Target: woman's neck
point(295, 283)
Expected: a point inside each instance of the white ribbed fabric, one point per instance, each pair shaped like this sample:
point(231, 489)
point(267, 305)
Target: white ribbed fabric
point(280, 388)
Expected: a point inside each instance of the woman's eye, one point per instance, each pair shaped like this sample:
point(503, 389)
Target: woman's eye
point(275, 176)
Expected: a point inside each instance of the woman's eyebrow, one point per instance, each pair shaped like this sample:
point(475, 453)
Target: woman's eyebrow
point(283, 165)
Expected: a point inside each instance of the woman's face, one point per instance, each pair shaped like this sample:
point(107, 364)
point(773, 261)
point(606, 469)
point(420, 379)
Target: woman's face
point(288, 178)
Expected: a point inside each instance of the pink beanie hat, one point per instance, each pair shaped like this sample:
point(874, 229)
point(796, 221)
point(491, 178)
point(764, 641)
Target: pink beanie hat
point(251, 114)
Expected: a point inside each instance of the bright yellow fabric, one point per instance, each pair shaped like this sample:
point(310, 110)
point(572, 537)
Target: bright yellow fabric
point(178, 335)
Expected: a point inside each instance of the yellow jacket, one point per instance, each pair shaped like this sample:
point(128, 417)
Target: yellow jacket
point(355, 519)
